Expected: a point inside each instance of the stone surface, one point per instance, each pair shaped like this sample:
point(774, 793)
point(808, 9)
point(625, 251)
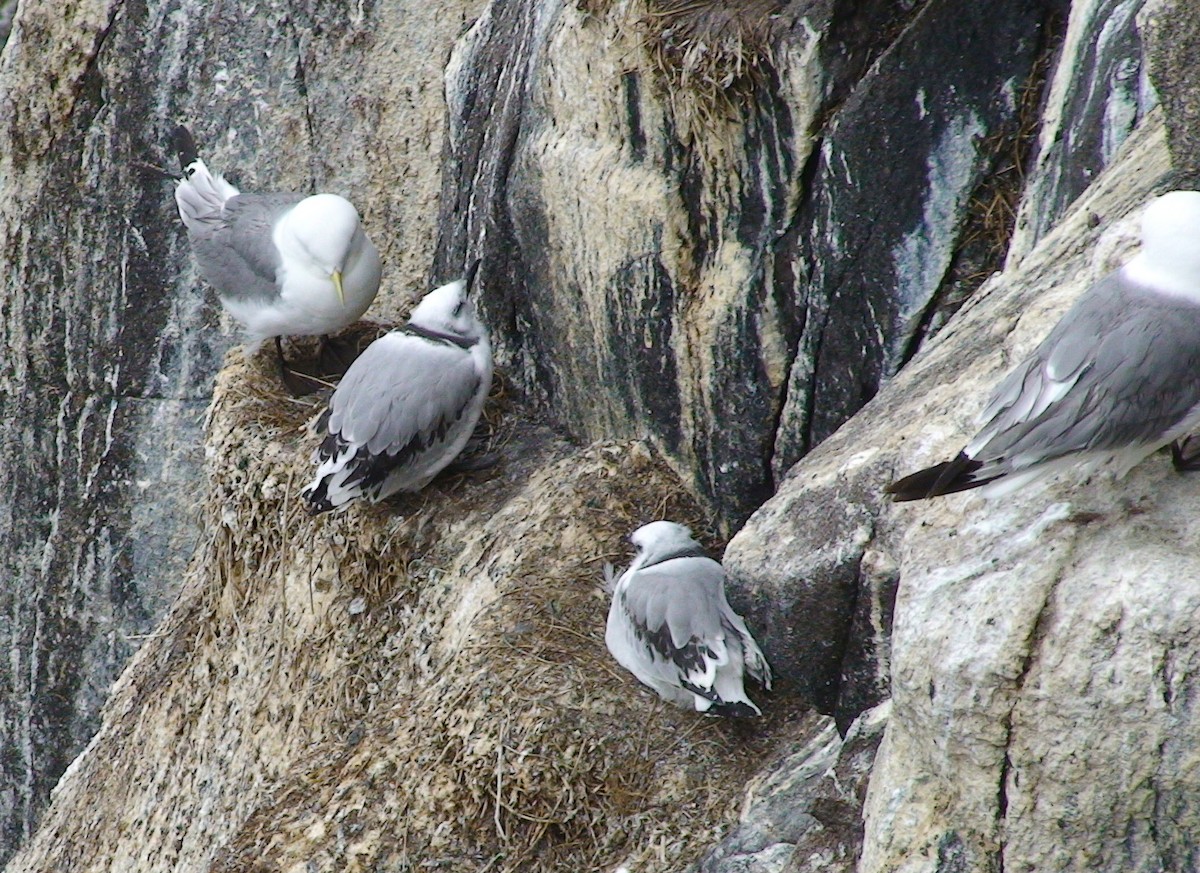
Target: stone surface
point(915, 127)
point(1006, 629)
point(796, 570)
point(988, 762)
point(632, 256)
point(427, 683)
point(714, 282)
point(8, 9)
point(797, 562)
point(1099, 92)
point(387, 686)
point(111, 341)
point(804, 812)
point(1172, 33)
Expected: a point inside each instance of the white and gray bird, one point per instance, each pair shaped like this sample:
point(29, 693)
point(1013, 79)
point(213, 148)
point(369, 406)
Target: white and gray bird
point(1113, 381)
point(671, 626)
point(406, 408)
point(282, 264)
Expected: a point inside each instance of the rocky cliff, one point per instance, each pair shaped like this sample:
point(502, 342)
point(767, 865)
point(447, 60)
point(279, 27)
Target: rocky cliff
point(725, 250)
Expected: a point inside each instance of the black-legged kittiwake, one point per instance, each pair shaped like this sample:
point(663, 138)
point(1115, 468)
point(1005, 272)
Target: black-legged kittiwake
point(408, 405)
point(671, 626)
point(1115, 380)
point(282, 264)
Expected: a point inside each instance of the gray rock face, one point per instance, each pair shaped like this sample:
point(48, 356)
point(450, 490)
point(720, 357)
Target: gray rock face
point(913, 127)
point(729, 276)
point(992, 597)
point(8, 9)
point(805, 812)
point(1099, 92)
point(828, 620)
point(633, 258)
point(112, 343)
point(737, 293)
point(1173, 53)
point(104, 382)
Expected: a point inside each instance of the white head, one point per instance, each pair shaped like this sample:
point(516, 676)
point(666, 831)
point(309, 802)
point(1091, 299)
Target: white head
point(662, 538)
point(1171, 238)
point(449, 310)
point(323, 233)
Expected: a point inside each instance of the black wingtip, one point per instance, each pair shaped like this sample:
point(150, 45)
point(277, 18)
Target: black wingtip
point(469, 276)
point(184, 146)
point(317, 499)
point(948, 477)
point(918, 485)
point(736, 709)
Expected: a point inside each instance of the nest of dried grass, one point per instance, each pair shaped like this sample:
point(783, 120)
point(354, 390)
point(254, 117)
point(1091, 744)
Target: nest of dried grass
point(710, 53)
point(440, 660)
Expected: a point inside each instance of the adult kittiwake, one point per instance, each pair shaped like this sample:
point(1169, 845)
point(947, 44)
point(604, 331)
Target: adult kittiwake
point(671, 627)
point(282, 264)
point(408, 405)
point(1113, 381)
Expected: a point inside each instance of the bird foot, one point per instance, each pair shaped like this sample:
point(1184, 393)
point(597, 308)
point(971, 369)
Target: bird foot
point(336, 355)
point(474, 464)
point(297, 384)
point(1181, 459)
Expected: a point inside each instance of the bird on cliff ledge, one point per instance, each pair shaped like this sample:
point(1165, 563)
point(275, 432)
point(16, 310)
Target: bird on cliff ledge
point(671, 627)
point(406, 408)
point(282, 264)
point(1115, 380)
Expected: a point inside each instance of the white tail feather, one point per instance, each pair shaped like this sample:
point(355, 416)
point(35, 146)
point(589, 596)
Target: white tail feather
point(610, 578)
point(200, 197)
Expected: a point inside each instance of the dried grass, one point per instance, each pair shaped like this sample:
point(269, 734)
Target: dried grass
point(710, 54)
point(442, 659)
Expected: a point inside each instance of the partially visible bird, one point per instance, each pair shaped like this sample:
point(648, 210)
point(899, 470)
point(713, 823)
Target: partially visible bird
point(672, 628)
point(1113, 381)
point(282, 264)
point(406, 408)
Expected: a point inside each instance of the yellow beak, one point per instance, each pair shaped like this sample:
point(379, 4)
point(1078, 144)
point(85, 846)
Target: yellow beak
point(337, 286)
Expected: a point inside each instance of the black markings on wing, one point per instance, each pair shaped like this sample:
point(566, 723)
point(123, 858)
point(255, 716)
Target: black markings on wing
point(1129, 345)
point(1122, 348)
point(368, 471)
point(736, 709)
point(688, 659)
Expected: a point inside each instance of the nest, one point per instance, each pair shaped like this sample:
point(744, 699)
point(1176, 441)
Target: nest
point(711, 54)
point(431, 688)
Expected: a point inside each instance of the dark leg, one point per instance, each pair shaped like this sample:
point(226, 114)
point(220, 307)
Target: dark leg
point(296, 384)
point(473, 464)
point(335, 356)
point(1183, 460)
point(473, 458)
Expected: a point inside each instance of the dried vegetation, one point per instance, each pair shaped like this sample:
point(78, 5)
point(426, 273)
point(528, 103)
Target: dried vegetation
point(424, 684)
point(708, 55)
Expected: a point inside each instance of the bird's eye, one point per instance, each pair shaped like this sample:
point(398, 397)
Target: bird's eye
point(458, 309)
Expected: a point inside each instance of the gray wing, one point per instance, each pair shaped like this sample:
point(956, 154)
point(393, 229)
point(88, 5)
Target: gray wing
point(1117, 370)
point(754, 659)
point(401, 387)
point(675, 607)
point(238, 257)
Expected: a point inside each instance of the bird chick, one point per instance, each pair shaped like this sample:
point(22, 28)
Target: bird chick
point(671, 627)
